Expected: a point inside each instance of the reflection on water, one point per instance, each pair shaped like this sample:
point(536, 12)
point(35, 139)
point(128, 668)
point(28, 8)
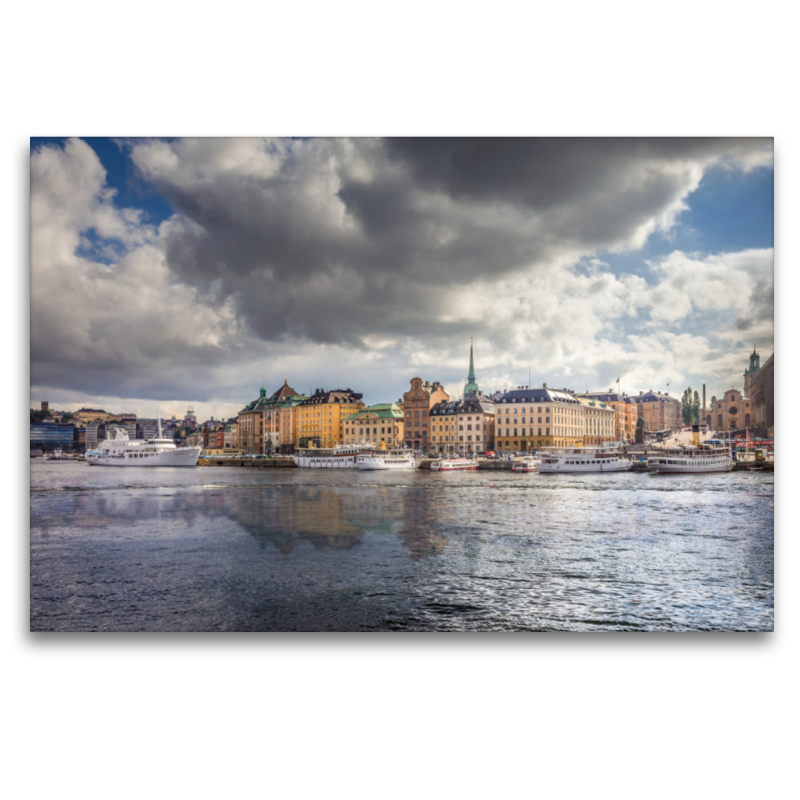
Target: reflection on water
point(311, 550)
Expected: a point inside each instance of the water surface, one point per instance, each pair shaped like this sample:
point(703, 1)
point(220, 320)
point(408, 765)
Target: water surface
point(243, 549)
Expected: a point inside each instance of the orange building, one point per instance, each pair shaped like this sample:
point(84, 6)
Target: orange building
point(417, 404)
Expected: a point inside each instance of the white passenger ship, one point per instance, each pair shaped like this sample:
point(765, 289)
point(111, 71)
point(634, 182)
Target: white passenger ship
point(399, 458)
point(338, 457)
point(454, 463)
point(691, 458)
point(157, 452)
point(594, 458)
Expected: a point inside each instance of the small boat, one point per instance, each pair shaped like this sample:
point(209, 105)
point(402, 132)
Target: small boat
point(526, 465)
point(594, 458)
point(454, 463)
point(398, 458)
point(338, 457)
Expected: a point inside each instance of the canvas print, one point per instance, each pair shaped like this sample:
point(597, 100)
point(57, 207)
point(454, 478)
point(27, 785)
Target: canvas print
point(416, 384)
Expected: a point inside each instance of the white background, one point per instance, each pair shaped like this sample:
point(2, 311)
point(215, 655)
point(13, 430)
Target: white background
point(119, 716)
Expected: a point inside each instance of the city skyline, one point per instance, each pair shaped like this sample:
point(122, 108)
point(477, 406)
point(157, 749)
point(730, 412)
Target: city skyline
point(167, 273)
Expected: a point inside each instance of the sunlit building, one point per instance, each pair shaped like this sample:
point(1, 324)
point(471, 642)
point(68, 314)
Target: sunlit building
point(318, 419)
point(527, 419)
point(379, 425)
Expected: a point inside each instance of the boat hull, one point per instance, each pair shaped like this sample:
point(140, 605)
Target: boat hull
point(453, 466)
point(182, 457)
point(593, 468)
point(381, 464)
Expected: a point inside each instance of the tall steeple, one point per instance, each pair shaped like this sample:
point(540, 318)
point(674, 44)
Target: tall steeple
point(471, 386)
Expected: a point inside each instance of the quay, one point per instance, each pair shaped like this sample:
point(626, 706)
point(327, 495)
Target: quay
point(484, 464)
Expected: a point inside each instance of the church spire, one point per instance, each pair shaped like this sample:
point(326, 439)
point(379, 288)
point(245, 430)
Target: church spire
point(471, 386)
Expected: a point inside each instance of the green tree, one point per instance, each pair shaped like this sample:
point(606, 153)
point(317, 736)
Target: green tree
point(66, 416)
point(686, 406)
point(696, 408)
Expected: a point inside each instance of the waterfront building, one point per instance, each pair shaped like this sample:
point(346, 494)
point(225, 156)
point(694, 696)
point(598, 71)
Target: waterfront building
point(599, 421)
point(762, 395)
point(95, 433)
point(251, 424)
point(48, 436)
point(625, 420)
point(658, 411)
point(195, 439)
point(528, 419)
point(377, 425)
point(417, 404)
point(278, 419)
point(318, 419)
point(733, 412)
point(462, 426)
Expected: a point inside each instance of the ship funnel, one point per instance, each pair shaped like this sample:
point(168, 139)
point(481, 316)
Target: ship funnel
point(695, 435)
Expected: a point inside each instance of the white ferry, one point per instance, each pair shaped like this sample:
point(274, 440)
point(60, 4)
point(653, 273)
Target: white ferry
point(594, 458)
point(529, 464)
point(399, 458)
point(157, 452)
point(454, 463)
point(691, 458)
point(338, 457)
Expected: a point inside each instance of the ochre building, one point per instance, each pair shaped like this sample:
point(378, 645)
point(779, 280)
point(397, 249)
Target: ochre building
point(379, 425)
point(318, 419)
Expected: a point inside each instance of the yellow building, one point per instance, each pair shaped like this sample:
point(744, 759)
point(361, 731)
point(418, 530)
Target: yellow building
point(599, 421)
point(91, 415)
point(527, 419)
point(625, 411)
point(318, 419)
point(462, 426)
point(381, 424)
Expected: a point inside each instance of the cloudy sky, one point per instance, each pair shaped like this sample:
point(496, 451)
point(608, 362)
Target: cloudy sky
point(176, 272)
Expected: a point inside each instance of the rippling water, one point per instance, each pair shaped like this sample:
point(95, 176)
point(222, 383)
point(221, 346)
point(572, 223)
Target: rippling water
point(257, 549)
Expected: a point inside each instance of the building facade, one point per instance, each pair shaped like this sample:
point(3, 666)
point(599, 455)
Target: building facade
point(462, 426)
point(278, 414)
point(527, 419)
point(599, 421)
point(626, 416)
point(417, 404)
point(762, 395)
point(251, 424)
point(91, 415)
point(732, 412)
point(658, 411)
point(49, 436)
point(378, 425)
point(318, 419)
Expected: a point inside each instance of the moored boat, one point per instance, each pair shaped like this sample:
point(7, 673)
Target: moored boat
point(593, 458)
point(690, 459)
point(454, 463)
point(338, 457)
point(399, 458)
point(528, 464)
point(157, 452)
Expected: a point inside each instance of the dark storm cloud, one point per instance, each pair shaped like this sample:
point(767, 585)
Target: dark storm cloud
point(334, 240)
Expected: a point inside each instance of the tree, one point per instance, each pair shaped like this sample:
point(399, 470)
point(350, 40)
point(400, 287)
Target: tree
point(696, 408)
point(66, 416)
point(686, 406)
